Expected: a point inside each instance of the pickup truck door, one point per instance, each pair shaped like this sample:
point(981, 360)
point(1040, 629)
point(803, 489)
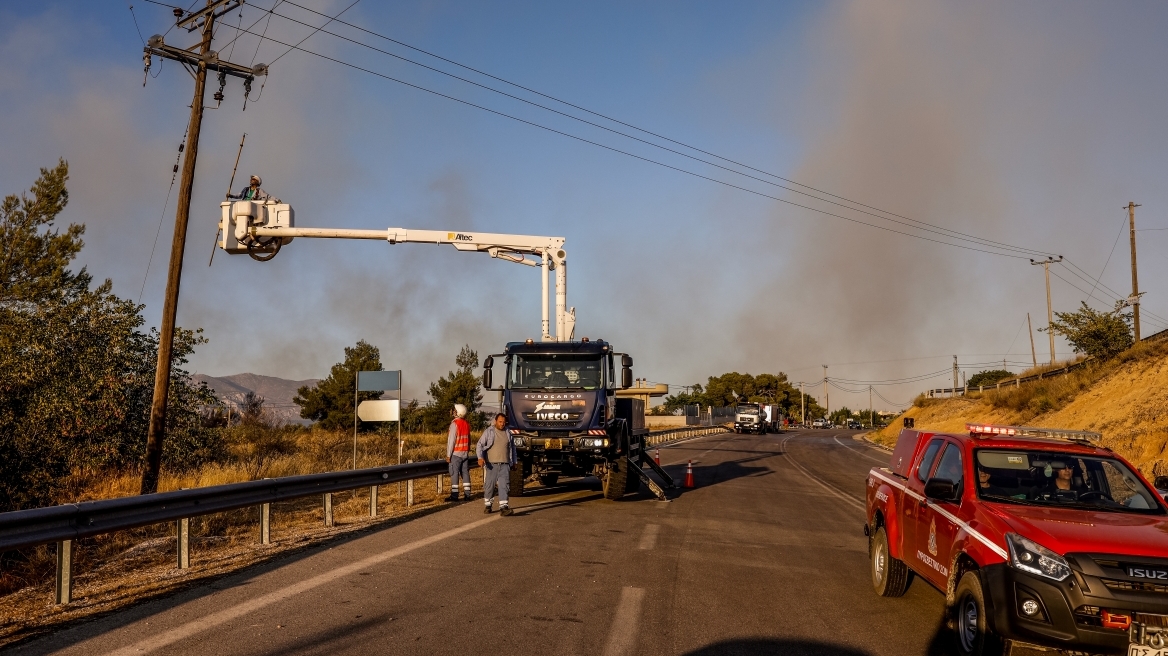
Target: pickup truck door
point(936, 523)
point(914, 508)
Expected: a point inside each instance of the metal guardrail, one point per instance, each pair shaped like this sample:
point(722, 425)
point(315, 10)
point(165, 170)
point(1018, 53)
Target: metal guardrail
point(674, 434)
point(65, 523)
point(1012, 382)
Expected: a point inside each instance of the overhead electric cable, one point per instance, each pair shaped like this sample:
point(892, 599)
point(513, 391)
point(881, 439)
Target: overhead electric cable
point(952, 233)
point(635, 156)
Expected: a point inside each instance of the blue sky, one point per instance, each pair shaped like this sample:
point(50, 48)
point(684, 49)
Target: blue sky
point(1028, 124)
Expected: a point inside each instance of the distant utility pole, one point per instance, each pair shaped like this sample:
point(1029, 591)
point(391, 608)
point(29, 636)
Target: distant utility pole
point(871, 417)
point(198, 63)
point(1033, 353)
point(1049, 312)
point(802, 404)
point(1135, 297)
point(826, 401)
point(954, 393)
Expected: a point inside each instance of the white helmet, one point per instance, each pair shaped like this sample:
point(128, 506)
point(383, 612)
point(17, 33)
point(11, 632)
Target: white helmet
point(459, 410)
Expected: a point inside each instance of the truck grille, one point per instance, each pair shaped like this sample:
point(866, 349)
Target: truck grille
point(553, 424)
point(1135, 586)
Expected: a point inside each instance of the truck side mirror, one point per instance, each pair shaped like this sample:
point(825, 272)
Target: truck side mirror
point(941, 489)
point(626, 378)
point(487, 379)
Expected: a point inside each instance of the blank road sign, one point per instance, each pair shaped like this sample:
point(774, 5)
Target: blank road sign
point(386, 410)
point(378, 381)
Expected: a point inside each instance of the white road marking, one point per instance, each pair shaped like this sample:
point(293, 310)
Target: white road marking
point(649, 537)
point(622, 637)
point(827, 486)
point(184, 631)
point(882, 461)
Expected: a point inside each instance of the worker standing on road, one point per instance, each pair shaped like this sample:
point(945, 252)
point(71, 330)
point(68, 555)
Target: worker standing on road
point(496, 453)
point(458, 452)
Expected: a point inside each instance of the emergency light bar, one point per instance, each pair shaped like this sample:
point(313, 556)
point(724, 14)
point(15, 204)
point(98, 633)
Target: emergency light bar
point(977, 430)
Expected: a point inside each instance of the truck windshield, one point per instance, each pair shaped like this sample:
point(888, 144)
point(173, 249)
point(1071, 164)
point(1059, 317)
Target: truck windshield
point(1050, 478)
point(556, 371)
point(748, 409)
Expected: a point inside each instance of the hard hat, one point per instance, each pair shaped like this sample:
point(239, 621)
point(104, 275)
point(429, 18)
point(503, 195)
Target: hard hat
point(459, 409)
point(258, 180)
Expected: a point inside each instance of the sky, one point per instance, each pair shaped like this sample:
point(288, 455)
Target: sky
point(1027, 124)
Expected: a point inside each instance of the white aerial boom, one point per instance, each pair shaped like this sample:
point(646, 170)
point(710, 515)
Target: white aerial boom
point(260, 229)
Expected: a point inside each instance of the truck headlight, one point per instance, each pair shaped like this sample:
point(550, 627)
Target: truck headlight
point(520, 441)
point(594, 443)
point(1029, 556)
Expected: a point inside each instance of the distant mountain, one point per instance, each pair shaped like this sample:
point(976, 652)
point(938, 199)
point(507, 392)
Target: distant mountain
point(277, 392)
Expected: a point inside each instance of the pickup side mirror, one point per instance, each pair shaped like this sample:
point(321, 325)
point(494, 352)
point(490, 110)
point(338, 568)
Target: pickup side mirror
point(941, 489)
point(1161, 483)
point(910, 422)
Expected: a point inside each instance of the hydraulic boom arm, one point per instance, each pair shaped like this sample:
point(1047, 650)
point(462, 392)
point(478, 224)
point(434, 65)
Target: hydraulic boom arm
point(261, 229)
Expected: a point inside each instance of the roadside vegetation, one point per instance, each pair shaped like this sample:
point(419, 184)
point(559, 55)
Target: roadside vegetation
point(731, 388)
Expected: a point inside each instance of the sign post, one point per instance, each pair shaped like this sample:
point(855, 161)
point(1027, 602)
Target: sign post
point(380, 409)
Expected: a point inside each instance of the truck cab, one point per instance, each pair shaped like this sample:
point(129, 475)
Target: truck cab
point(1035, 536)
point(561, 407)
point(750, 418)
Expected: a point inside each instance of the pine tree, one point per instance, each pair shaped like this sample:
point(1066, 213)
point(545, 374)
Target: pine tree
point(330, 402)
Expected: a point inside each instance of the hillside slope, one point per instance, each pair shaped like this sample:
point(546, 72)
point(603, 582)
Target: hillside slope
point(277, 392)
point(1125, 399)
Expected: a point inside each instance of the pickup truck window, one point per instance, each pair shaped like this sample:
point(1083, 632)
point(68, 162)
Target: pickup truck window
point(1051, 478)
point(927, 460)
point(950, 466)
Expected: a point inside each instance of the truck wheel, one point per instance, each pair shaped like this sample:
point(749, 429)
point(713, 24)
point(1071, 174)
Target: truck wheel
point(889, 575)
point(548, 480)
point(516, 480)
point(615, 481)
point(975, 637)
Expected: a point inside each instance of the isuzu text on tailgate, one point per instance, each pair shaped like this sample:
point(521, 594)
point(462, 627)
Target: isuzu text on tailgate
point(1037, 536)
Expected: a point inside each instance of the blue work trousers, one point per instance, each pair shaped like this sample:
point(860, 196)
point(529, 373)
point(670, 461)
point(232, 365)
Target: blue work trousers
point(496, 474)
point(460, 466)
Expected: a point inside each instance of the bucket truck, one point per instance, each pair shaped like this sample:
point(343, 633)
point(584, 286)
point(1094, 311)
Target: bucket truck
point(559, 395)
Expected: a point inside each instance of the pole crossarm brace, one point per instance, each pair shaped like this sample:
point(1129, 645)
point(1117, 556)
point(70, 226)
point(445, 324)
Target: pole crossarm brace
point(195, 19)
point(211, 60)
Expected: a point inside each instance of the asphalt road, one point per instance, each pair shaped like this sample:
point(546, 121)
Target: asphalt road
point(766, 555)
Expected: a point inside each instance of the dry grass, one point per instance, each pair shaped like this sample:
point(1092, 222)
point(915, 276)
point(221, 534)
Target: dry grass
point(118, 569)
point(1125, 398)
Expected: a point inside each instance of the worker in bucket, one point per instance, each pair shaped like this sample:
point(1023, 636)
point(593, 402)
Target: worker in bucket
point(458, 452)
point(252, 191)
point(496, 453)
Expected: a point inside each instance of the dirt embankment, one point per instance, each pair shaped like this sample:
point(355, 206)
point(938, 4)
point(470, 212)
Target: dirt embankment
point(1125, 399)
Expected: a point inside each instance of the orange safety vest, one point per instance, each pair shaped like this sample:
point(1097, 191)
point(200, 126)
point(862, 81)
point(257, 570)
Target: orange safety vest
point(462, 436)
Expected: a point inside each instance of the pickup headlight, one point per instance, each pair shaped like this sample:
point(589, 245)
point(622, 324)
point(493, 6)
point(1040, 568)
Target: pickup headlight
point(594, 443)
point(1029, 556)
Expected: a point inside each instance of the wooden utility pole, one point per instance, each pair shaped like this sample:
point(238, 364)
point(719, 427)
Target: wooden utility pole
point(871, 417)
point(198, 62)
point(1033, 353)
point(954, 392)
point(1134, 301)
point(1049, 311)
point(826, 401)
point(802, 404)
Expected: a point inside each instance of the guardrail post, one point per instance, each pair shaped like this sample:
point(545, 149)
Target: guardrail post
point(1018, 382)
point(439, 492)
point(409, 490)
point(265, 523)
point(328, 509)
point(183, 529)
point(373, 501)
point(64, 591)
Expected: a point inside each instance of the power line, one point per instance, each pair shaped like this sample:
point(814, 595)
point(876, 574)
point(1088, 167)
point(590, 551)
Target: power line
point(950, 233)
point(639, 157)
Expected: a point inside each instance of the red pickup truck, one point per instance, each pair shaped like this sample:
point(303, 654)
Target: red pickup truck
point(1036, 536)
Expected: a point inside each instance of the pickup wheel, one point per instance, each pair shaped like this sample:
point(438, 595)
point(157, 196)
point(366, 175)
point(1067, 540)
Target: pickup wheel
point(975, 637)
point(515, 480)
point(615, 480)
point(890, 576)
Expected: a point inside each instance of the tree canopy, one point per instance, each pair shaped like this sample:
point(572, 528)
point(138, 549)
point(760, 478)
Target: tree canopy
point(1097, 334)
point(330, 401)
point(76, 370)
point(989, 377)
point(731, 388)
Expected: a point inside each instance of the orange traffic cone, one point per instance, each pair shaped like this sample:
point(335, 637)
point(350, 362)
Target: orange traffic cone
point(689, 474)
point(657, 457)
